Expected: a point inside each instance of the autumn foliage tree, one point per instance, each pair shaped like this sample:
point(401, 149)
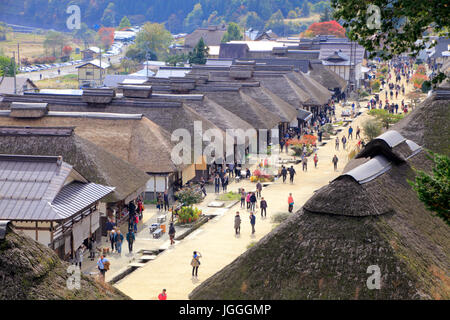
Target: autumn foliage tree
point(106, 36)
point(325, 28)
point(67, 50)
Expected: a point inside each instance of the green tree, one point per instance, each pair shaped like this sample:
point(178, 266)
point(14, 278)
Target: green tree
point(7, 66)
point(402, 23)
point(124, 23)
point(199, 54)
point(109, 15)
point(4, 30)
point(385, 117)
point(252, 20)
point(372, 129)
point(176, 60)
point(325, 16)
point(434, 190)
point(233, 33)
point(305, 9)
point(86, 35)
point(276, 23)
point(139, 54)
point(154, 37)
point(194, 18)
point(55, 40)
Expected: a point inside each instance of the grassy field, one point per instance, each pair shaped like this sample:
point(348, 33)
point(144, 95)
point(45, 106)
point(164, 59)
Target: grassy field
point(311, 19)
point(69, 81)
point(31, 45)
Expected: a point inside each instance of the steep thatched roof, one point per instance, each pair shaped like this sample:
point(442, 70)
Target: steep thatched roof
point(329, 79)
point(139, 141)
point(272, 102)
point(321, 254)
point(324, 250)
point(32, 271)
point(212, 36)
point(246, 108)
point(319, 94)
point(93, 162)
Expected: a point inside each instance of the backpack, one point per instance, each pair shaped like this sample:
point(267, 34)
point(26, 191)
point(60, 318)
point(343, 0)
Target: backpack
point(106, 265)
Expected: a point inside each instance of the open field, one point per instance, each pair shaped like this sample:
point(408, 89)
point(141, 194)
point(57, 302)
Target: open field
point(311, 19)
point(69, 81)
point(31, 45)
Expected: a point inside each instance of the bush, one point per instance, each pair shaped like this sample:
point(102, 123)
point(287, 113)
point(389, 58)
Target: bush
point(372, 129)
point(375, 85)
point(385, 117)
point(229, 196)
point(188, 196)
point(188, 214)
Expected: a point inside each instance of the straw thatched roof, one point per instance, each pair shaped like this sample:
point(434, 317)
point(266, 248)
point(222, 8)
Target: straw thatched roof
point(139, 142)
point(321, 254)
point(32, 271)
point(93, 162)
point(326, 77)
point(246, 108)
point(324, 251)
point(319, 94)
point(272, 102)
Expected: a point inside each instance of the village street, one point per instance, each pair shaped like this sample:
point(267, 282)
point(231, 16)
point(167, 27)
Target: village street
point(216, 241)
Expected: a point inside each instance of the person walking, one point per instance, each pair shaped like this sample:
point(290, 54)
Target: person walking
point(195, 263)
point(243, 198)
point(103, 266)
point(258, 189)
point(79, 256)
point(283, 173)
point(160, 202)
point(290, 202)
point(291, 174)
point(252, 221)
point(166, 200)
point(202, 186)
point(316, 159)
point(172, 233)
point(237, 223)
point(119, 241)
point(225, 183)
point(135, 222)
point(140, 207)
point(162, 295)
point(252, 201)
point(337, 144)
point(130, 239)
point(305, 164)
point(112, 239)
point(335, 162)
point(350, 133)
point(344, 141)
point(263, 205)
point(247, 199)
point(217, 184)
point(358, 131)
point(92, 247)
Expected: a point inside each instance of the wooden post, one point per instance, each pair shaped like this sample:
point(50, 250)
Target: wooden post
point(37, 232)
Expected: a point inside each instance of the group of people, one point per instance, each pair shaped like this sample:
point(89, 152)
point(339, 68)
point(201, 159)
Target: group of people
point(284, 172)
point(162, 201)
point(249, 199)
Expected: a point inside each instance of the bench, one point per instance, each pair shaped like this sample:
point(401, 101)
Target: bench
point(161, 218)
point(157, 233)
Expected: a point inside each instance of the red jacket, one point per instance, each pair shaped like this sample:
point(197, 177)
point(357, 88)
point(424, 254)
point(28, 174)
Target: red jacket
point(162, 296)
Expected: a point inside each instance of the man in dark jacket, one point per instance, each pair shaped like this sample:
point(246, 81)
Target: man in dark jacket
point(252, 201)
point(258, 189)
point(252, 221)
point(291, 174)
point(130, 239)
point(263, 206)
point(217, 184)
point(283, 173)
point(166, 200)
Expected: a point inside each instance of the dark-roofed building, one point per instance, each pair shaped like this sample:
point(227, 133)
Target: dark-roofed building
point(233, 50)
point(212, 35)
point(47, 199)
point(22, 85)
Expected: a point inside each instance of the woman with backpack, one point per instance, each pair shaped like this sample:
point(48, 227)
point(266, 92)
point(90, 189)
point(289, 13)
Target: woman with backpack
point(195, 263)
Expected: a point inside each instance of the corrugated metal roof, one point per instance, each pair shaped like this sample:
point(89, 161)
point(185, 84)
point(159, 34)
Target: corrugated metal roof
point(32, 188)
point(369, 170)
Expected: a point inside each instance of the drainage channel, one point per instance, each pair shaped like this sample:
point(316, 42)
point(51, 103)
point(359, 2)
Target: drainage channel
point(150, 255)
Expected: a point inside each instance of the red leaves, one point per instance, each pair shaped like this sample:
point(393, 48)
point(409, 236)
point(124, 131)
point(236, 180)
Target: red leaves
point(326, 28)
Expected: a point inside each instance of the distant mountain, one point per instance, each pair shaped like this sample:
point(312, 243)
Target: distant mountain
point(178, 15)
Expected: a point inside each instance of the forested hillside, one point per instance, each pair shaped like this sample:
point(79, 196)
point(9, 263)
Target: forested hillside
point(178, 15)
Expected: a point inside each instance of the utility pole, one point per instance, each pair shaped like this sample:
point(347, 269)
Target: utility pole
point(14, 68)
point(18, 54)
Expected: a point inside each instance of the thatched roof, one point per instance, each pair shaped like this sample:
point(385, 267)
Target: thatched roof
point(272, 102)
point(321, 254)
point(139, 141)
point(93, 162)
point(319, 94)
point(246, 108)
point(212, 36)
point(326, 77)
point(324, 250)
point(32, 271)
